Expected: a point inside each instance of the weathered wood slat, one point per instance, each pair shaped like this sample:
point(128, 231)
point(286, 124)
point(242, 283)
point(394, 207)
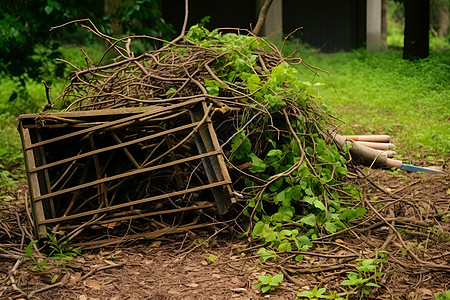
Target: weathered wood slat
point(136, 202)
point(124, 175)
point(116, 122)
point(109, 148)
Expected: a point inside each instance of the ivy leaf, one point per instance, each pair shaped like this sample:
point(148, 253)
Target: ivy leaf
point(241, 146)
point(268, 233)
point(297, 193)
point(303, 243)
point(341, 171)
point(277, 279)
point(253, 83)
point(309, 220)
point(309, 199)
point(258, 228)
point(318, 204)
point(287, 212)
point(330, 227)
point(285, 246)
point(299, 257)
point(351, 214)
point(275, 153)
point(275, 102)
point(266, 254)
point(305, 182)
point(279, 197)
point(259, 165)
point(276, 185)
point(196, 34)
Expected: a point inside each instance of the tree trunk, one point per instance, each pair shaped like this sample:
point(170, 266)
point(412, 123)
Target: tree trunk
point(417, 24)
point(441, 12)
point(384, 8)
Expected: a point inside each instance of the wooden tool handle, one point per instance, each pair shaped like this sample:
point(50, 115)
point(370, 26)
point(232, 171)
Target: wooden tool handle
point(393, 163)
point(369, 138)
point(379, 146)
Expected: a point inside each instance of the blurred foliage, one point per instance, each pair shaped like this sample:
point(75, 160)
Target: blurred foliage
point(26, 43)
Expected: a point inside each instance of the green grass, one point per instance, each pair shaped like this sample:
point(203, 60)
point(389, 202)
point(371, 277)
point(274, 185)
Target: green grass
point(380, 93)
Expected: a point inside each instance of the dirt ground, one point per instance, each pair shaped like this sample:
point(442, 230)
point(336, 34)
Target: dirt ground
point(175, 266)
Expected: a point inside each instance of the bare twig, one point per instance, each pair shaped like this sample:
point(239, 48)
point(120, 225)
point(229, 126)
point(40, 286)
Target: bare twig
point(262, 17)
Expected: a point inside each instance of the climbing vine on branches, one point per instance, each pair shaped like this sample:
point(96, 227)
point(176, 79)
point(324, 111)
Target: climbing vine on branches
point(296, 170)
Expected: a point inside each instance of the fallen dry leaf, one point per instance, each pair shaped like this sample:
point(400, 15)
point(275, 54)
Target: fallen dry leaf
point(191, 284)
point(95, 285)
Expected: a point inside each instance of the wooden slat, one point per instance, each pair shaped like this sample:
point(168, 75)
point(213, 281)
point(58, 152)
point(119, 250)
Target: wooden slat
point(109, 148)
point(36, 205)
point(135, 202)
point(115, 122)
point(124, 175)
point(214, 172)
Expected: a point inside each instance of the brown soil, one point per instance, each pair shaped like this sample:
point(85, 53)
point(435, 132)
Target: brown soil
point(175, 267)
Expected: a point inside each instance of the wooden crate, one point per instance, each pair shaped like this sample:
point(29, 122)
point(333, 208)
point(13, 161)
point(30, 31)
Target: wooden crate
point(148, 168)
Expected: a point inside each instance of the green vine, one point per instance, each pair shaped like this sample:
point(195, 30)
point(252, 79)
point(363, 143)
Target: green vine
point(295, 192)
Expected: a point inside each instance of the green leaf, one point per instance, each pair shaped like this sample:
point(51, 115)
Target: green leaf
point(258, 228)
point(303, 243)
point(276, 185)
point(171, 91)
point(297, 193)
point(241, 147)
point(253, 83)
point(306, 294)
point(54, 4)
point(277, 279)
point(279, 197)
point(287, 212)
point(440, 296)
point(285, 246)
point(211, 259)
point(372, 284)
point(318, 204)
point(196, 34)
point(275, 102)
point(309, 220)
point(330, 227)
point(266, 254)
point(48, 9)
point(212, 86)
point(29, 248)
point(54, 278)
point(299, 257)
point(259, 165)
point(264, 279)
point(266, 288)
point(352, 214)
point(275, 153)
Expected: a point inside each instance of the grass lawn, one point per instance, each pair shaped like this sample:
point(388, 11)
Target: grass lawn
point(380, 93)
